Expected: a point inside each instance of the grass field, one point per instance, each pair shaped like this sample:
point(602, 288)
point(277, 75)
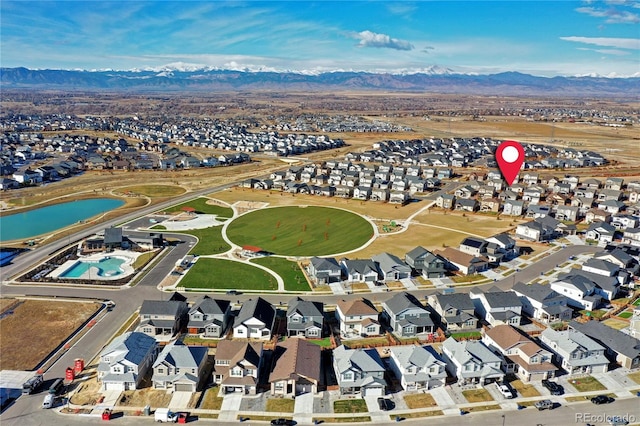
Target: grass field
point(201, 206)
point(477, 395)
point(524, 390)
point(294, 279)
point(350, 406)
point(210, 241)
point(223, 274)
point(46, 322)
point(211, 400)
point(587, 384)
point(301, 231)
point(635, 376)
point(625, 314)
point(420, 400)
point(280, 405)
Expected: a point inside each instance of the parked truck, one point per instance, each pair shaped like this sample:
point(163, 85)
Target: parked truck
point(165, 415)
point(33, 384)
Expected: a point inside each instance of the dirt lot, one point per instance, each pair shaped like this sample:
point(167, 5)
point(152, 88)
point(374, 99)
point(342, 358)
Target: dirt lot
point(43, 321)
point(145, 396)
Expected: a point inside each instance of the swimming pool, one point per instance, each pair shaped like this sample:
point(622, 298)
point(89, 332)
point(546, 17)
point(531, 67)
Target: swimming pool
point(107, 267)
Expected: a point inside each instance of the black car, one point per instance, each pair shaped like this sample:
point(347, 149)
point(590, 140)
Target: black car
point(385, 404)
point(235, 293)
point(554, 388)
point(283, 422)
point(602, 399)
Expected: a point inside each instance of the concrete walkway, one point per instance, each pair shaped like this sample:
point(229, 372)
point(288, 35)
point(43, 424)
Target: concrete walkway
point(442, 397)
point(337, 288)
point(377, 415)
point(409, 284)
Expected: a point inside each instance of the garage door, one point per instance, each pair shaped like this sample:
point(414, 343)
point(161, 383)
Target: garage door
point(372, 391)
point(113, 386)
point(183, 387)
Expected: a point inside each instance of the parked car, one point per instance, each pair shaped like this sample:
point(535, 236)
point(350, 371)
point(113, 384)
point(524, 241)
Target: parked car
point(233, 292)
point(617, 421)
point(506, 390)
point(385, 404)
point(602, 399)
point(553, 387)
point(545, 404)
point(283, 422)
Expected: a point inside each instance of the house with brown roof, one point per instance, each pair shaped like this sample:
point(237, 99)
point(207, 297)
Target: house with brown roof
point(466, 263)
point(357, 317)
point(522, 356)
point(237, 366)
point(296, 368)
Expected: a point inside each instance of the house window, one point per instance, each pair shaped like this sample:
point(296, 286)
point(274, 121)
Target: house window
point(278, 386)
point(129, 369)
point(295, 319)
point(160, 370)
point(347, 376)
point(371, 329)
point(313, 332)
point(236, 372)
point(117, 370)
point(351, 326)
point(222, 362)
point(249, 371)
point(265, 332)
point(240, 331)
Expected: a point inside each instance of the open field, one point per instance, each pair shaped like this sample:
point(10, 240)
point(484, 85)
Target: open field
point(145, 396)
point(152, 191)
point(210, 241)
point(44, 321)
point(220, 274)
point(294, 279)
point(300, 231)
point(616, 324)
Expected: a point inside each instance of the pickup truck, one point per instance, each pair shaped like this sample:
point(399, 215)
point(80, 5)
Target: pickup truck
point(545, 404)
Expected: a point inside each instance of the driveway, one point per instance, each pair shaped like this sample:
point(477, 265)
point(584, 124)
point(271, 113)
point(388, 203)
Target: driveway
point(180, 400)
point(230, 406)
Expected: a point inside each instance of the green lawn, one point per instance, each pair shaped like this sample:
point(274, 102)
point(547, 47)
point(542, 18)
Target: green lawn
point(226, 274)
point(323, 343)
point(466, 335)
point(301, 231)
point(637, 302)
point(350, 406)
point(210, 241)
point(153, 190)
point(201, 206)
point(625, 314)
point(587, 384)
point(294, 279)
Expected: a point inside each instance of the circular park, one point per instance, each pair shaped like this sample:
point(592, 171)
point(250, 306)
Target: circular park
point(301, 230)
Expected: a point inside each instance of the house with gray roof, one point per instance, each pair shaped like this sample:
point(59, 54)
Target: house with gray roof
point(359, 270)
point(391, 268)
point(305, 318)
point(621, 348)
point(600, 231)
point(417, 367)
point(543, 303)
point(513, 207)
point(456, 311)
point(575, 352)
point(359, 371)
point(601, 267)
point(446, 201)
point(325, 269)
point(471, 361)
point(255, 320)
point(407, 317)
point(426, 263)
point(181, 368)
point(126, 361)
point(585, 289)
point(497, 306)
point(163, 319)
point(209, 317)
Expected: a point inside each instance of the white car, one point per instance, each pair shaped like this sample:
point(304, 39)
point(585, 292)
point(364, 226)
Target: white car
point(505, 391)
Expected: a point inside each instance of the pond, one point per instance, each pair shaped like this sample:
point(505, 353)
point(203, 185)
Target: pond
point(48, 219)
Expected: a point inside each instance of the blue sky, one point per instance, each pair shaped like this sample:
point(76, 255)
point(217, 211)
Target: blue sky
point(542, 38)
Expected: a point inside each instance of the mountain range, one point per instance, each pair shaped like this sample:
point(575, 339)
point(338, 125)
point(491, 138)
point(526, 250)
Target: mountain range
point(432, 80)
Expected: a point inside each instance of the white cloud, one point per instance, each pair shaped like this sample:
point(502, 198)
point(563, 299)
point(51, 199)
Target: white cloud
point(619, 43)
point(617, 52)
point(612, 15)
point(370, 39)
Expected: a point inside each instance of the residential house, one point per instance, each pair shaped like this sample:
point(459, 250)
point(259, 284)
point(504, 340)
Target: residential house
point(181, 368)
point(126, 361)
point(296, 368)
point(305, 318)
point(357, 317)
point(237, 366)
point(502, 244)
point(325, 269)
point(359, 371)
point(407, 317)
point(513, 208)
point(417, 367)
point(391, 268)
point(467, 264)
point(542, 303)
point(255, 320)
point(597, 215)
point(497, 306)
point(471, 362)
point(163, 319)
point(446, 201)
point(631, 236)
point(601, 231)
point(359, 270)
point(456, 311)
point(621, 348)
point(469, 205)
point(209, 317)
point(474, 246)
point(575, 352)
point(567, 213)
point(539, 229)
point(601, 267)
point(522, 356)
point(426, 263)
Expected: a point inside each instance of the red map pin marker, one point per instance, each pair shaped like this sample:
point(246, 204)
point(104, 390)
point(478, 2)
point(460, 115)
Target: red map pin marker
point(510, 156)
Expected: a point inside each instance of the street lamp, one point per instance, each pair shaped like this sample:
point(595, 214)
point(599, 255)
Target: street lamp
point(502, 420)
